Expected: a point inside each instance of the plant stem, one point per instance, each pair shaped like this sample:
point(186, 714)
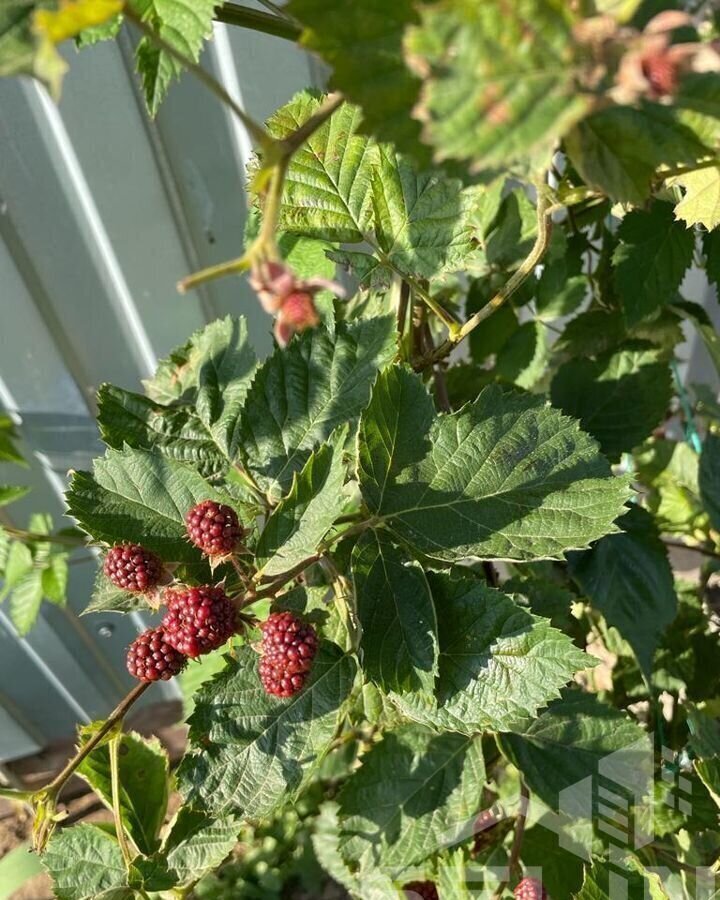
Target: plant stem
point(256, 131)
point(520, 822)
point(694, 549)
point(685, 170)
point(117, 715)
point(311, 125)
point(230, 267)
point(526, 268)
point(63, 539)
point(114, 749)
point(232, 14)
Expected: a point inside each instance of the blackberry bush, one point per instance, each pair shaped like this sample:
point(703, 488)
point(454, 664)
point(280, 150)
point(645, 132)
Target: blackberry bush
point(151, 657)
point(519, 197)
point(132, 567)
point(198, 619)
point(214, 528)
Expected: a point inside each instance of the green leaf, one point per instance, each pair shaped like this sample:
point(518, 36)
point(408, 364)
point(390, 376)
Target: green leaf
point(627, 577)
point(671, 470)
point(227, 365)
point(8, 436)
point(85, 863)
point(11, 492)
point(363, 44)
point(138, 496)
point(700, 204)
point(420, 217)
point(300, 521)
point(55, 579)
point(711, 248)
point(18, 565)
point(106, 597)
point(522, 360)
point(651, 260)
point(184, 24)
point(327, 187)
point(132, 420)
point(107, 31)
point(505, 477)
point(605, 879)
point(250, 752)
point(709, 477)
point(301, 394)
point(498, 663)
point(620, 397)
point(576, 738)
point(617, 149)
point(512, 232)
point(197, 844)
point(25, 601)
point(708, 771)
point(498, 88)
point(396, 612)
point(548, 850)
point(413, 794)
point(143, 777)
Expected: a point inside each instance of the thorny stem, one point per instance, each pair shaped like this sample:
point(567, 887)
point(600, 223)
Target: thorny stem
point(117, 715)
point(520, 822)
point(114, 749)
point(278, 26)
point(255, 129)
point(526, 268)
point(441, 391)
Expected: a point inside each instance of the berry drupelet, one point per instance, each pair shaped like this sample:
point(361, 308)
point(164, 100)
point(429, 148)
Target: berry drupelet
point(288, 649)
point(151, 658)
point(424, 889)
point(132, 567)
point(198, 619)
point(530, 889)
point(214, 528)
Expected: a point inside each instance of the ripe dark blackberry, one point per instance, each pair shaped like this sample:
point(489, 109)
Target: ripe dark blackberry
point(530, 889)
point(214, 528)
point(424, 889)
point(198, 619)
point(288, 649)
point(132, 567)
point(151, 658)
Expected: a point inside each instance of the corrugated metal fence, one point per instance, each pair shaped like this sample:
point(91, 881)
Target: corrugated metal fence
point(101, 211)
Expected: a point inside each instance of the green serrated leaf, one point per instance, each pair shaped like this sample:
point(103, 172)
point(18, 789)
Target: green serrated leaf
point(605, 879)
point(143, 777)
point(251, 751)
point(138, 496)
point(618, 149)
point(396, 612)
point(184, 24)
point(522, 360)
point(18, 564)
point(627, 578)
point(11, 492)
point(420, 217)
point(301, 394)
point(498, 663)
point(619, 398)
point(55, 579)
point(700, 204)
point(413, 794)
point(197, 844)
point(301, 520)
point(651, 260)
point(88, 37)
point(326, 193)
point(505, 477)
point(85, 863)
point(132, 420)
point(25, 601)
point(8, 436)
point(709, 478)
point(704, 325)
point(363, 44)
point(106, 597)
point(578, 738)
point(497, 88)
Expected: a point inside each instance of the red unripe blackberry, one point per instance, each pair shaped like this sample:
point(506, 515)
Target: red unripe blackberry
point(214, 528)
point(424, 889)
point(288, 649)
point(530, 889)
point(483, 823)
point(132, 567)
point(151, 658)
point(198, 619)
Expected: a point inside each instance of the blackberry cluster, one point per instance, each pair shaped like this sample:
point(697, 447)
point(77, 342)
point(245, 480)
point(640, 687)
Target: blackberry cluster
point(424, 889)
point(214, 528)
point(151, 658)
point(288, 649)
point(530, 889)
point(132, 567)
point(198, 619)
